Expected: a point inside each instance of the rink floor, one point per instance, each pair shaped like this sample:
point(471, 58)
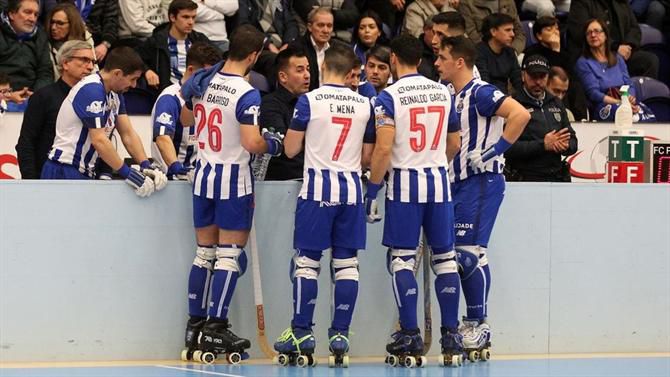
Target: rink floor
point(620, 365)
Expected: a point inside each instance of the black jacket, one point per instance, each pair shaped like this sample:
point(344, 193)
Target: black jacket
point(103, 21)
point(283, 22)
point(498, 69)
point(155, 54)
point(556, 59)
point(277, 112)
point(345, 15)
point(527, 155)
point(39, 128)
point(27, 62)
point(427, 65)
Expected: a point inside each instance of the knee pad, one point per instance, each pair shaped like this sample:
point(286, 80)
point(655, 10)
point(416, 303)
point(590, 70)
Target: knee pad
point(468, 260)
point(483, 259)
point(231, 258)
point(204, 256)
point(400, 259)
point(444, 263)
point(344, 269)
point(304, 267)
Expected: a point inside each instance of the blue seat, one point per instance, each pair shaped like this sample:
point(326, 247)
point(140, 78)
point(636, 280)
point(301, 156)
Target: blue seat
point(650, 35)
point(259, 82)
point(660, 106)
point(528, 30)
point(646, 87)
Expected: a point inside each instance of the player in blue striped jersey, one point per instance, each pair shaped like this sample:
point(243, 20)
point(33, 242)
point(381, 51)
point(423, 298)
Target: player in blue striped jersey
point(476, 173)
point(337, 128)
point(93, 109)
point(174, 148)
point(416, 127)
point(224, 108)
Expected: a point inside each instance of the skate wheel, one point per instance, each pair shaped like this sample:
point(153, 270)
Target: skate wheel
point(208, 358)
point(410, 362)
point(331, 361)
point(234, 358)
point(392, 360)
point(186, 355)
point(456, 361)
point(422, 361)
point(485, 355)
point(345, 361)
point(473, 356)
point(302, 361)
point(282, 359)
point(311, 360)
point(441, 361)
point(197, 356)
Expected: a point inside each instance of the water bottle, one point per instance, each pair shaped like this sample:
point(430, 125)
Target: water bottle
point(624, 114)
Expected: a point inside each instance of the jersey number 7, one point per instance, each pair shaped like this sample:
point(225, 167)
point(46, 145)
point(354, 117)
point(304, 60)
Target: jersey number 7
point(418, 143)
point(346, 126)
point(213, 122)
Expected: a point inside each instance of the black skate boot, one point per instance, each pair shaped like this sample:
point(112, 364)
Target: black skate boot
point(193, 327)
point(452, 347)
point(406, 348)
point(217, 339)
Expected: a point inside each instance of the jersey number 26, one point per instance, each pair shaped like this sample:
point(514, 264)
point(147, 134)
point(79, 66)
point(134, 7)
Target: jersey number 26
point(213, 123)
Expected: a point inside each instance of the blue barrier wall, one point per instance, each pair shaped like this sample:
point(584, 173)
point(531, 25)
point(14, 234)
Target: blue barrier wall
point(88, 271)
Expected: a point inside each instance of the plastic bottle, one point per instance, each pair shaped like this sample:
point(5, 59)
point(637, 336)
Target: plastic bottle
point(624, 114)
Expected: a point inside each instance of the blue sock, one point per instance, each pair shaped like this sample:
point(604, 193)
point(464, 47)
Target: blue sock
point(448, 289)
point(199, 283)
point(405, 292)
point(305, 291)
point(346, 291)
point(223, 287)
point(474, 290)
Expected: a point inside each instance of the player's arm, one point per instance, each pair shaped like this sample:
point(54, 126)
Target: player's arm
point(369, 139)
point(166, 147)
point(105, 148)
point(366, 155)
point(381, 156)
point(517, 118)
point(295, 136)
point(252, 140)
point(453, 144)
point(131, 140)
point(186, 116)
point(293, 142)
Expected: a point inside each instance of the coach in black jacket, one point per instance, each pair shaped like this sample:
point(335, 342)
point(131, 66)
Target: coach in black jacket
point(536, 155)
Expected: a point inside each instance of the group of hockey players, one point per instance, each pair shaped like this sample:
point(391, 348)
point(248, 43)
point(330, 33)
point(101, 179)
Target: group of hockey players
point(437, 149)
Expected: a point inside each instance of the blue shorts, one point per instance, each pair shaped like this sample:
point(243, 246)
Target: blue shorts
point(56, 170)
point(321, 225)
point(403, 222)
point(228, 214)
point(476, 203)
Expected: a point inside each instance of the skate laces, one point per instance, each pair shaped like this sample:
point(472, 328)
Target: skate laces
point(289, 335)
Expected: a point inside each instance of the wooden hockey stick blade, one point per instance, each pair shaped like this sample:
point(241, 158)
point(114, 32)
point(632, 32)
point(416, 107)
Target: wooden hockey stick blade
point(258, 295)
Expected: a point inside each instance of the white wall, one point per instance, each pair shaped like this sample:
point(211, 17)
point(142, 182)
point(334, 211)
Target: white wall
point(88, 271)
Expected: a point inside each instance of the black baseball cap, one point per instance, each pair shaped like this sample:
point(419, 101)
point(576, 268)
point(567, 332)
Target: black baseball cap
point(535, 64)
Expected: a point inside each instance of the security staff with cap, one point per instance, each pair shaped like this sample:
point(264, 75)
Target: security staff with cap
point(537, 154)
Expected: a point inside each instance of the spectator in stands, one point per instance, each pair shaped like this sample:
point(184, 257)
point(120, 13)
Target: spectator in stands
point(548, 35)
point(63, 23)
point(427, 65)
point(75, 61)
point(164, 52)
point(367, 34)
point(445, 24)
point(419, 12)
point(345, 14)
point(316, 41)
point(496, 59)
point(602, 72)
point(24, 51)
point(275, 19)
point(650, 12)
point(139, 18)
point(545, 8)
point(5, 91)
point(378, 67)
point(390, 11)
point(536, 155)
point(293, 75)
point(624, 33)
point(211, 20)
point(558, 85)
point(475, 11)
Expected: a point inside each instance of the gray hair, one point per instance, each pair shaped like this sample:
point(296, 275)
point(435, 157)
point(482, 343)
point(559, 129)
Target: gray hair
point(315, 11)
point(66, 51)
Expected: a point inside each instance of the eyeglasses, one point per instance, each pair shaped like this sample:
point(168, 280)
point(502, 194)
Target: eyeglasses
point(594, 31)
point(85, 59)
point(5, 92)
point(59, 22)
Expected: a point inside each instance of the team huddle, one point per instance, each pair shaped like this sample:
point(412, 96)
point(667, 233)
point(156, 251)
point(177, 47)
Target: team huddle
point(437, 151)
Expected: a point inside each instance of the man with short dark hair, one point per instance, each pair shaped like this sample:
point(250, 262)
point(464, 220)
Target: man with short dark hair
point(378, 71)
point(277, 109)
point(558, 85)
point(475, 11)
point(93, 109)
point(496, 59)
point(546, 31)
point(536, 155)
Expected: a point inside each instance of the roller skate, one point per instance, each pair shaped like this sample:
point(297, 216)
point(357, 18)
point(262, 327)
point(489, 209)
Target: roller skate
point(193, 327)
point(295, 347)
point(217, 339)
point(452, 347)
point(406, 348)
point(339, 346)
point(476, 339)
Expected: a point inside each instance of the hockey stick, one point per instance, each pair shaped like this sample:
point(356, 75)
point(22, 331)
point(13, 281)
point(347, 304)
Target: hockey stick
point(427, 315)
point(258, 295)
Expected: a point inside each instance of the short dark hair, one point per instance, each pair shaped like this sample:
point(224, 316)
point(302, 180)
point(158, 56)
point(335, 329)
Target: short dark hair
point(4, 78)
point(453, 19)
point(408, 49)
point(381, 53)
point(340, 59)
point(244, 41)
point(543, 22)
point(202, 53)
point(178, 5)
point(125, 59)
point(494, 21)
point(461, 47)
point(14, 5)
point(559, 73)
point(284, 56)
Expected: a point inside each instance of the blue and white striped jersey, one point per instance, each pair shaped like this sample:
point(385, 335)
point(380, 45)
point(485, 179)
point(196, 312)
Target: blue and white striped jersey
point(165, 121)
point(177, 50)
point(222, 168)
point(336, 121)
point(86, 106)
point(476, 105)
point(422, 113)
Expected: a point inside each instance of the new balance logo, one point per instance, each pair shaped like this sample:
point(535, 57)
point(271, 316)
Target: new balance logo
point(312, 302)
point(461, 233)
point(344, 307)
point(448, 290)
point(192, 296)
point(410, 292)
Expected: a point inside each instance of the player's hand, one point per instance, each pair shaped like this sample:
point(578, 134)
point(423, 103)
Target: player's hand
point(154, 172)
point(152, 78)
point(371, 207)
point(179, 172)
point(143, 185)
point(274, 142)
point(475, 161)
